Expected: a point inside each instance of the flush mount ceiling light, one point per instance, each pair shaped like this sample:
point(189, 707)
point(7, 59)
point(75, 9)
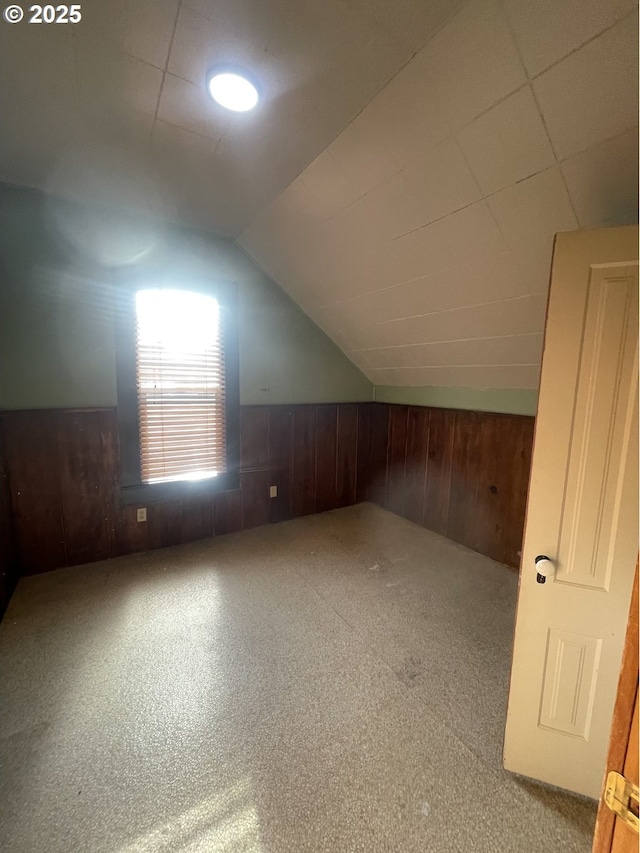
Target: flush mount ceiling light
point(232, 89)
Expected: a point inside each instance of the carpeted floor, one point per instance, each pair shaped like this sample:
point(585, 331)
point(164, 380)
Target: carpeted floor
point(334, 683)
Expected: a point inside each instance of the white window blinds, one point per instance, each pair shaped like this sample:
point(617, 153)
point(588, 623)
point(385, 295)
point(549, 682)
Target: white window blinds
point(180, 383)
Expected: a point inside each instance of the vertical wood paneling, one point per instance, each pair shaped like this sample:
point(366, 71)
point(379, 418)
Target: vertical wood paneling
point(129, 534)
point(32, 463)
point(346, 454)
point(9, 570)
point(439, 457)
point(363, 463)
point(465, 471)
point(415, 472)
point(254, 437)
point(462, 474)
point(378, 456)
point(86, 468)
point(303, 497)
point(505, 451)
point(254, 489)
point(280, 461)
point(516, 488)
point(197, 517)
point(254, 466)
point(396, 458)
point(110, 478)
point(227, 513)
point(164, 524)
point(326, 437)
point(65, 474)
point(486, 535)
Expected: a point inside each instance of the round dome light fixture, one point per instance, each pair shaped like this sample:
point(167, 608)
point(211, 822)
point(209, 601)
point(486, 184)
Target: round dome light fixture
point(232, 89)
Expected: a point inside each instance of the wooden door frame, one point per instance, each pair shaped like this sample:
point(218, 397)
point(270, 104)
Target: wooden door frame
point(621, 723)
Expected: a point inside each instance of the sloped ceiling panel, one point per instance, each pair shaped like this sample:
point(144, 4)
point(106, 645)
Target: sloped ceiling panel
point(131, 77)
point(420, 239)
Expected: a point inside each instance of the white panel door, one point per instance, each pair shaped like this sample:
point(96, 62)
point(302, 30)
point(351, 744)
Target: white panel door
point(582, 514)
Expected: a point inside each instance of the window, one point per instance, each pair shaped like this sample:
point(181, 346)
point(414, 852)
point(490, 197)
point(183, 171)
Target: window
point(180, 385)
point(177, 390)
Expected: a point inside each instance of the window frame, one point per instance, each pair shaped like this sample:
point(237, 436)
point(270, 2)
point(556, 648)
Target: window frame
point(132, 489)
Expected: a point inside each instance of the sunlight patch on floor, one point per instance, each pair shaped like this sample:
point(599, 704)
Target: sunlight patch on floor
point(227, 823)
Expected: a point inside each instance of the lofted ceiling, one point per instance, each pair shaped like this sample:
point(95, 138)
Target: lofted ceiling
point(131, 75)
point(420, 239)
point(402, 178)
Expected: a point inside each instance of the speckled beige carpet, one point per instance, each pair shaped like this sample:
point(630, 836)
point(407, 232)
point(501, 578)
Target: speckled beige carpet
point(334, 683)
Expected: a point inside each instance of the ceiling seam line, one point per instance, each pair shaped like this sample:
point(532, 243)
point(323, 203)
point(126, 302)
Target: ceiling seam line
point(529, 80)
point(593, 38)
point(483, 196)
point(166, 64)
point(433, 221)
point(449, 366)
point(450, 310)
point(452, 135)
point(142, 61)
point(374, 326)
point(448, 341)
point(535, 98)
point(189, 130)
point(411, 58)
point(601, 142)
point(414, 279)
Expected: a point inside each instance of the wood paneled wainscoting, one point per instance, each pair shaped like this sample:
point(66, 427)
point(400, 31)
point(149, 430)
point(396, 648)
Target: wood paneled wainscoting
point(64, 474)
point(461, 474)
point(9, 569)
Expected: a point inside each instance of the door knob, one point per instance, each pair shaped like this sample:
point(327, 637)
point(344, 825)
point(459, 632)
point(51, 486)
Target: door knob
point(544, 566)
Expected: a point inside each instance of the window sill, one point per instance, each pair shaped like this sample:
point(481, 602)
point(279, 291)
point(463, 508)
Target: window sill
point(144, 493)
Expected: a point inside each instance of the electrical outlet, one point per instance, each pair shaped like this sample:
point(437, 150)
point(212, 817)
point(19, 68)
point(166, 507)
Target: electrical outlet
point(273, 491)
point(141, 514)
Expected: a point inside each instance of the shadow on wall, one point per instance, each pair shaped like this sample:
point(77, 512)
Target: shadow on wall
point(60, 262)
